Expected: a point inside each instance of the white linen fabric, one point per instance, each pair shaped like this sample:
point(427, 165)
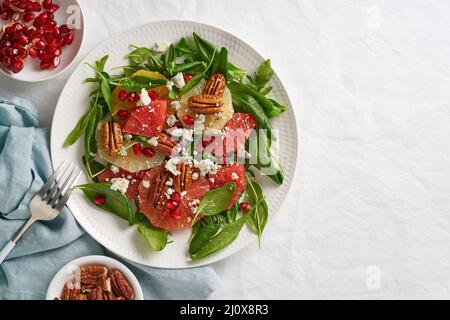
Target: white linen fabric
point(368, 215)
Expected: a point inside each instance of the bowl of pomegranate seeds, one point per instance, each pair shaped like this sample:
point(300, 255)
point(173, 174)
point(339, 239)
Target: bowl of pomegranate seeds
point(39, 39)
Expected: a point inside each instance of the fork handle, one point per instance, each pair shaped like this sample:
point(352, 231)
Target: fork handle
point(12, 243)
point(6, 250)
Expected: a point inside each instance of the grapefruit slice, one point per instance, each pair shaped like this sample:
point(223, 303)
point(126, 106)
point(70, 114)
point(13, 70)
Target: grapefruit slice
point(160, 216)
point(134, 178)
point(212, 121)
point(230, 173)
point(146, 121)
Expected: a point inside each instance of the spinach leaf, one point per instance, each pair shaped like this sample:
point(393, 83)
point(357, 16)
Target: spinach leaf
point(183, 47)
point(183, 67)
point(245, 103)
point(139, 55)
point(262, 76)
point(221, 63)
point(270, 109)
point(227, 235)
point(157, 238)
point(79, 129)
point(216, 200)
point(260, 212)
point(138, 82)
point(202, 234)
point(95, 168)
point(231, 214)
point(116, 202)
point(169, 61)
point(103, 81)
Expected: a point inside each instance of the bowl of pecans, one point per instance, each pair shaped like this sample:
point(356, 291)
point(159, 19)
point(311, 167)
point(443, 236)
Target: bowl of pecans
point(39, 39)
point(94, 278)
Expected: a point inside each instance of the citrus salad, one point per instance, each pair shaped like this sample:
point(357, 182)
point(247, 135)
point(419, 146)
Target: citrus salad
point(174, 139)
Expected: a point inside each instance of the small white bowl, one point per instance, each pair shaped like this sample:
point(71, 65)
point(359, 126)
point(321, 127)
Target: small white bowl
point(69, 12)
point(59, 280)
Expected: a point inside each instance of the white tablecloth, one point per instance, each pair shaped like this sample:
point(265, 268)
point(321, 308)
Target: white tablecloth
point(368, 216)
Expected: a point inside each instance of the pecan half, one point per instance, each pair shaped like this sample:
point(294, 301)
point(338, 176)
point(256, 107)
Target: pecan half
point(158, 187)
point(90, 275)
point(96, 294)
point(165, 144)
point(182, 181)
point(216, 85)
point(111, 137)
point(120, 285)
point(205, 104)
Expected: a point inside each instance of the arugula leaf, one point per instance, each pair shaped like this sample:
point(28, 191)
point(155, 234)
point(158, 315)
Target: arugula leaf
point(221, 64)
point(116, 202)
point(260, 212)
point(169, 61)
point(157, 238)
point(138, 82)
point(183, 67)
point(216, 200)
point(139, 55)
point(202, 234)
point(227, 235)
point(100, 64)
point(103, 80)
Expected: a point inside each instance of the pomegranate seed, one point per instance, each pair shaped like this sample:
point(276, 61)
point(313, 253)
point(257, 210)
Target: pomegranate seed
point(68, 39)
point(122, 114)
point(28, 17)
point(22, 38)
point(50, 25)
point(123, 95)
point(39, 44)
point(17, 66)
point(16, 27)
point(206, 143)
point(22, 4)
point(45, 65)
point(153, 95)
point(33, 52)
point(50, 15)
point(137, 149)
point(56, 61)
point(36, 7)
point(56, 33)
point(172, 205)
point(47, 4)
point(188, 120)
point(131, 97)
point(140, 174)
point(245, 206)
point(23, 53)
point(176, 197)
point(7, 61)
point(148, 152)
point(48, 37)
point(100, 200)
point(38, 32)
point(178, 124)
point(64, 29)
point(175, 214)
point(54, 8)
point(41, 19)
point(45, 57)
point(187, 77)
point(56, 51)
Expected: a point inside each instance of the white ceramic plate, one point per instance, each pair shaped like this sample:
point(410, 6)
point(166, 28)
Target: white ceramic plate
point(114, 233)
point(69, 12)
point(59, 280)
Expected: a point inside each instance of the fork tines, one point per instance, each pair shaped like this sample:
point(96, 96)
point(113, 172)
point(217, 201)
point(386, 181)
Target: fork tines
point(56, 191)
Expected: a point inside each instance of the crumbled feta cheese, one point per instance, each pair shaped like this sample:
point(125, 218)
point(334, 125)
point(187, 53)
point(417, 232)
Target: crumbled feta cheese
point(153, 141)
point(195, 152)
point(171, 120)
point(169, 192)
point(171, 165)
point(144, 99)
point(129, 177)
point(114, 169)
point(175, 132)
point(127, 136)
point(212, 180)
point(120, 184)
point(123, 152)
point(169, 85)
point(195, 176)
point(146, 184)
point(161, 47)
point(193, 205)
point(176, 104)
point(187, 136)
point(206, 166)
point(183, 193)
point(234, 176)
point(169, 182)
point(178, 80)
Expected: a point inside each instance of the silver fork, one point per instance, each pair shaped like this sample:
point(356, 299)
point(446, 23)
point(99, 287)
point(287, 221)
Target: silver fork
point(48, 202)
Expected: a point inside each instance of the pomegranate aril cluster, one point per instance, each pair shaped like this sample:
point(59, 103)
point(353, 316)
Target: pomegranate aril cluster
point(30, 30)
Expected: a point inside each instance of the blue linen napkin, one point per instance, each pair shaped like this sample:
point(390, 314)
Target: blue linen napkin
point(47, 246)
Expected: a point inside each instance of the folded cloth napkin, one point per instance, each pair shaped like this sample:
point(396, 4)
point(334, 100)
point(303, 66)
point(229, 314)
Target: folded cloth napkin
point(47, 246)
